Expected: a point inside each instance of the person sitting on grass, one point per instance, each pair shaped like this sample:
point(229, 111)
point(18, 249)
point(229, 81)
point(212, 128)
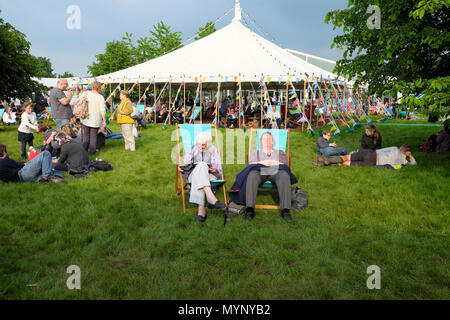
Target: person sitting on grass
point(27, 126)
point(206, 160)
point(68, 131)
point(371, 139)
point(39, 169)
point(391, 156)
point(49, 143)
point(274, 117)
point(9, 117)
point(326, 148)
point(232, 118)
point(439, 142)
point(73, 155)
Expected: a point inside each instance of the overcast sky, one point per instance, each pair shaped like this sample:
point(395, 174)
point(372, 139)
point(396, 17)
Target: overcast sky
point(295, 24)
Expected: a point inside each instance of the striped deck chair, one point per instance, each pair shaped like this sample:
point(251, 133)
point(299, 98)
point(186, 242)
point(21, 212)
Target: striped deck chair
point(282, 142)
point(194, 115)
point(1, 118)
point(141, 108)
point(188, 132)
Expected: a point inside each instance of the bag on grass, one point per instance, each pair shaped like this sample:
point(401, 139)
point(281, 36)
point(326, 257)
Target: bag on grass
point(101, 165)
point(235, 209)
point(298, 199)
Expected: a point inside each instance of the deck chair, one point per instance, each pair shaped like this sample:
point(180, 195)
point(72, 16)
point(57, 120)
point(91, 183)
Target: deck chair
point(282, 142)
point(49, 109)
point(1, 118)
point(194, 115)
point(188, 132)
point(141, 108)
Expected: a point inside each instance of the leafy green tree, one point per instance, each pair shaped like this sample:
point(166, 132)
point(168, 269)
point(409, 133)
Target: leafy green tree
point(206, 30)
point(17, 65)
point(163, 40)
point(44, 67)
point(66, 75)
point(118, 55)
point(408, 53)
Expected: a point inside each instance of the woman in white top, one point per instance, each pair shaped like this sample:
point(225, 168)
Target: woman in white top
point(27, 125)
point(96, 118)
point(9, 117)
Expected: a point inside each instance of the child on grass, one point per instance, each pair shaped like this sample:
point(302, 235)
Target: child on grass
point(27, 125)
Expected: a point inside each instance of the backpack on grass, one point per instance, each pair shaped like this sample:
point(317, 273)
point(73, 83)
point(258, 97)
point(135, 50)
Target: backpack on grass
point(101, 165)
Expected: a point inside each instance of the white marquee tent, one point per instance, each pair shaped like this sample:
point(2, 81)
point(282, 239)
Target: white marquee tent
point(233, 53)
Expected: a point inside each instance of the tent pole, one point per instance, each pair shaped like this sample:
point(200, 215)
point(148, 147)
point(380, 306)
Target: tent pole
point(201, 109)
point(170, 101)
point(261, 120)
point(154, 97)
point(184, 102)
point(304, 99)
point(287, 106)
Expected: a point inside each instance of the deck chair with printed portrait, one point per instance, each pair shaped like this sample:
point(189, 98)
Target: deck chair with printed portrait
point(281, 142)
point(188, 133)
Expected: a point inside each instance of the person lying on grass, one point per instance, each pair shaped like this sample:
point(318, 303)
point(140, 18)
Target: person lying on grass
point(73, 155)
point(207, 167)
point(326, 148)
point(39, 169)
point(391, 156)
point(264, 165)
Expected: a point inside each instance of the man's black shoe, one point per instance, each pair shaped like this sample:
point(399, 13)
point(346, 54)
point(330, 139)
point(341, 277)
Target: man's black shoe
point(217, 205)
point(286, 215)
point(249, 214)
point(200, 219)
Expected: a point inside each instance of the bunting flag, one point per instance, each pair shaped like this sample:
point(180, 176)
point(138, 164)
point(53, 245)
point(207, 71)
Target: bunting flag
point(321, 119)
point(293, 96)
point(302, 119)
point(337, 133)
point(343, 124)
point(333, 128)
point(268, 80)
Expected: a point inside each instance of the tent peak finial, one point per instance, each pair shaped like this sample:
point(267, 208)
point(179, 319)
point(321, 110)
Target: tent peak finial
point(237, 12)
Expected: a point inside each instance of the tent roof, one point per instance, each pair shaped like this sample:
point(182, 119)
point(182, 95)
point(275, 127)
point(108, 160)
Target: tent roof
point(230, 54)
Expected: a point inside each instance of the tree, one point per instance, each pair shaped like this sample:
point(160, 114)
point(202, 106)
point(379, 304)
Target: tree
point(117, 56)
point(206, 30)
point(44, 67)
point(65, 75)
point(17, 65)
point(410, 46)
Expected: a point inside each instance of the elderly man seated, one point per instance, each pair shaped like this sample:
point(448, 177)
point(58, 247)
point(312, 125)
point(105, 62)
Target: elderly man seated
point(203, 166)
point(264, 165)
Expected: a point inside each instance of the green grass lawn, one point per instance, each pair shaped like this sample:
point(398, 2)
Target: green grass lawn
point(126, 230)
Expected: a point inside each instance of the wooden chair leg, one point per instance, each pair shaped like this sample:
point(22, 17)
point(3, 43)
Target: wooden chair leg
point(224, 194)
point(176, 178)
point(182, 195)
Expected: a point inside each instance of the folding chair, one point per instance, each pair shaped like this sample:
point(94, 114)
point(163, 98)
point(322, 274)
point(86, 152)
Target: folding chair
point(1, 118)
point(194, 115)
point(281, 142)
point(141, 108)
point(188, 132)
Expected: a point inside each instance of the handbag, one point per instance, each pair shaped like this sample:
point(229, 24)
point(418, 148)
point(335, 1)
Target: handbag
point(80, 108)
